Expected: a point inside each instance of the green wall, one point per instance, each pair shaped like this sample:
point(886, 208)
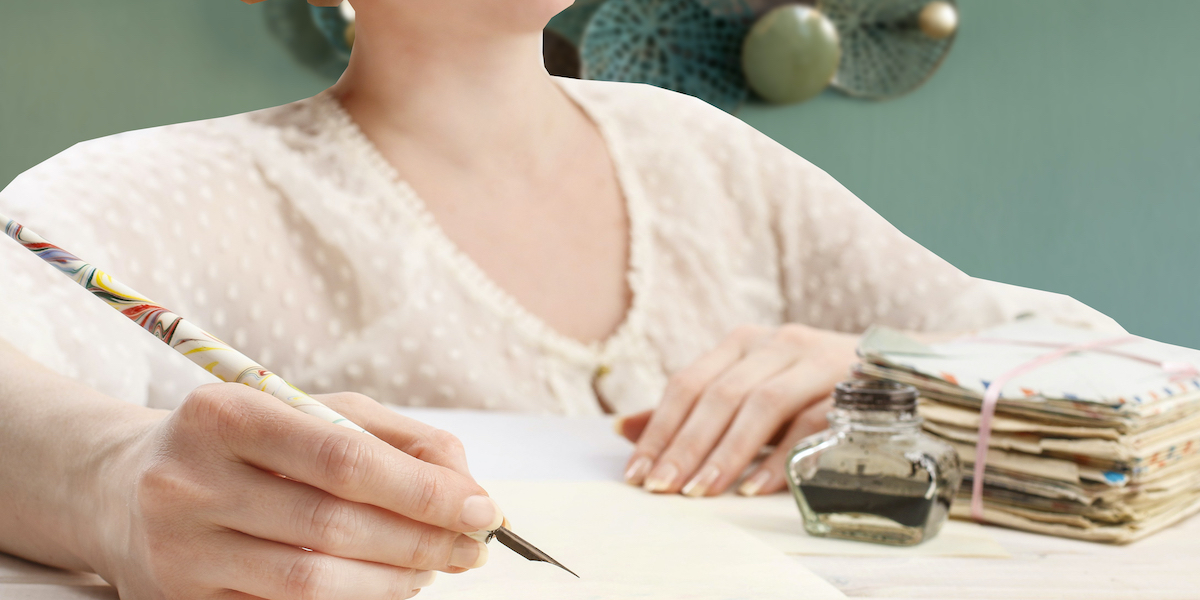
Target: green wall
point(1058, 147)
point(72, 70)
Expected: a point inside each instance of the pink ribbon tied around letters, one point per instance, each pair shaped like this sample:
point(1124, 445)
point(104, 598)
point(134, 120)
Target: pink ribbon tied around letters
point(991, 395)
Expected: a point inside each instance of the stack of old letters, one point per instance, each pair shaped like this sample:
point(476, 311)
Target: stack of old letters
point(1098, 445)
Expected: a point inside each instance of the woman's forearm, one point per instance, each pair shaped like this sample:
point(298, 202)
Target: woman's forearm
point(56, 436)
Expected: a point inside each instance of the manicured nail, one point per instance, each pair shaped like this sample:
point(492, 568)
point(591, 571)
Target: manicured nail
point(424, 579)
point(482, 513)
point(467, 554)
point(636, 473)
point(661, 478)
point(703, 480)
point(755, 483)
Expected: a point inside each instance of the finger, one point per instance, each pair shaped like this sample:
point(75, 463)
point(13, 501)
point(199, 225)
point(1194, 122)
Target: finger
point(770, 475)
point(276, 571)
point(289, 512)
point(632, 426)
point(257, 429)
point(769, 408)
point(410, 436)
point(683, 389)
point(711, 417)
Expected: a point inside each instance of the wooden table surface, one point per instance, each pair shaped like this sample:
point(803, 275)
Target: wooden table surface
point(1165, 566)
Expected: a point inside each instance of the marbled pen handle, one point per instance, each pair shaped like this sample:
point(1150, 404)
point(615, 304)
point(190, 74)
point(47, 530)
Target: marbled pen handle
point(199, 346)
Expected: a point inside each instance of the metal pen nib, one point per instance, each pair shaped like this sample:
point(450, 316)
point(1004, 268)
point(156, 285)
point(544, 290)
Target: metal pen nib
point(524, 548)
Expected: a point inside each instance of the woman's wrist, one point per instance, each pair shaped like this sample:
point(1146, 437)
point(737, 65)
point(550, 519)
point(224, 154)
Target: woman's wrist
point(61, 449)
point(101, 487)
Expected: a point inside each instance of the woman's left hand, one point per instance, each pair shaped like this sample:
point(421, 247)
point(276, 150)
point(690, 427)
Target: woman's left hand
point(758, 385)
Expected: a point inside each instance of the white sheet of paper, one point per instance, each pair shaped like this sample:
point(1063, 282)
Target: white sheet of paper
point(775, 520)
point(626, 544)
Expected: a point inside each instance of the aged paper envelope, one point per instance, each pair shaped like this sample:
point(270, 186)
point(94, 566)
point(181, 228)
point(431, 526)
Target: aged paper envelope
point(625, 543)
point(775, 520)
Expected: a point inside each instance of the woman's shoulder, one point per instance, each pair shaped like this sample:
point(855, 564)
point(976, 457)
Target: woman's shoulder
point(652, 108)
point(184, 150)
point(674, 132)
point(134, 183)
point(684, 127)
point(157, 161)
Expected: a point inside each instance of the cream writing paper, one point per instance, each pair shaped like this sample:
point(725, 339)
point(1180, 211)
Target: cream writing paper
point(625, 543)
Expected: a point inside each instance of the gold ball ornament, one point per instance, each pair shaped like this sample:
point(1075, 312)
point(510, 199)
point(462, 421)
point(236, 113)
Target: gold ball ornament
point(938, 20)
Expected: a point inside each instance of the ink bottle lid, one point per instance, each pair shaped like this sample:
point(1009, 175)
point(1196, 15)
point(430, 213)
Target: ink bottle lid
point(875, 394)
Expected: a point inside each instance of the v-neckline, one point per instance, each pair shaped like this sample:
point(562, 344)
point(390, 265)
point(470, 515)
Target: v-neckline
point(481, 284)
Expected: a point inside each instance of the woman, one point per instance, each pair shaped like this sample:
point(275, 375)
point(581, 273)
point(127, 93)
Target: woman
point(446, 226)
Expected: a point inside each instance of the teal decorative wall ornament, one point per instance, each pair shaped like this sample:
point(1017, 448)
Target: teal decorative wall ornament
point(890, 47)
point(690, 46)
point(791, 54)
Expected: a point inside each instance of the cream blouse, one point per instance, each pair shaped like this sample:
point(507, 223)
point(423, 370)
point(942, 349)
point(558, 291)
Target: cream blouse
point(287, 234)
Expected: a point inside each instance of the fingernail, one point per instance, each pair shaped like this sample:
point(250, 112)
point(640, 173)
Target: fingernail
point(413, 593)
point(636, 473)
point(751, 486)
point(661, 478)
point(468, 554)
point(424, 579)
point(703, 480)
point(482, 513)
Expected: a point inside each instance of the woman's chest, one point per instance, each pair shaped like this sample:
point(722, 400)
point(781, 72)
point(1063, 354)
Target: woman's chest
point(418, 322)
point(560, 248)
point(393, 307)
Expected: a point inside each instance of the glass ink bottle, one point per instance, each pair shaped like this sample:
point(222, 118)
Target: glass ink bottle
point(873, 475)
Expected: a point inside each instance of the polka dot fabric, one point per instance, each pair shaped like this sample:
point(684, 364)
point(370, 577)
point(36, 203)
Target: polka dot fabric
point(286, 233)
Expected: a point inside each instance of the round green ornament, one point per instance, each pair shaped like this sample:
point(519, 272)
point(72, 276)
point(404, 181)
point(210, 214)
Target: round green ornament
point(791, 54)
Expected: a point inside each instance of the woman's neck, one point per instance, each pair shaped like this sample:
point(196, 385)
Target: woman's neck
point(463, 97)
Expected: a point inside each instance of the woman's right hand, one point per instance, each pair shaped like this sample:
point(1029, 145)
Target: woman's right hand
point(237, 495)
